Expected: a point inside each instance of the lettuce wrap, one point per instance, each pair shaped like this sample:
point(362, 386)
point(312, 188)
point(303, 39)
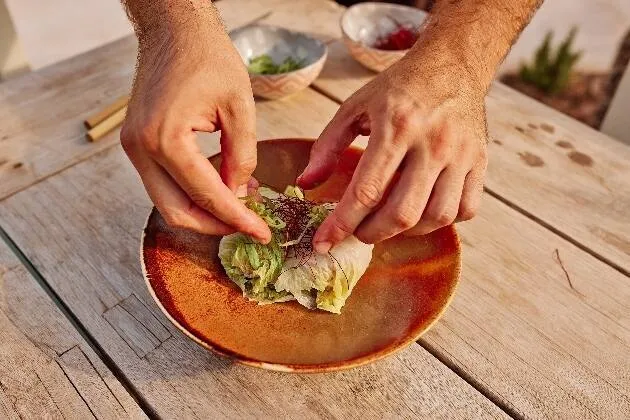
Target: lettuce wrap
point(287, 268)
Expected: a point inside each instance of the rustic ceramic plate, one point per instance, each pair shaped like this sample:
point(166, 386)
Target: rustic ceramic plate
point(406, 288)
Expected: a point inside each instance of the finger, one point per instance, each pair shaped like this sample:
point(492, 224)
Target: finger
point(444, 202)
point(172, 202)
point(325, 153)
point(405, 204)
point(241, 191)
point(471, 195)
point(238, 142)
point(197, 177)
point(365, 191)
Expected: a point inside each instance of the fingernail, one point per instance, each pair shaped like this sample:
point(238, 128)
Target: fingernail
point(322, 247)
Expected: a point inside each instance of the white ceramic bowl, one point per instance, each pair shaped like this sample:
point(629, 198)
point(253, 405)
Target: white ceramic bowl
point(279, 43)
point(363, 23)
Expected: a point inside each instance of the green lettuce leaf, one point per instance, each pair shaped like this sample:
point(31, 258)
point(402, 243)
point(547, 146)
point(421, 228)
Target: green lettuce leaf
point(265, 212)
point(264, 64)
point(292, 191)
point(254, 267)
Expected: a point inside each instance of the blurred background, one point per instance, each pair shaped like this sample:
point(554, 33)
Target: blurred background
point(580, 81)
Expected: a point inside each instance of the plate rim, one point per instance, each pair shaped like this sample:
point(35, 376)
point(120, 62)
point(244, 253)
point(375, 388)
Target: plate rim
point(301, 368)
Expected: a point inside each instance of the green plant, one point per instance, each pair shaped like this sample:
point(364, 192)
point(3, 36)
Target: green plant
point(550, 72)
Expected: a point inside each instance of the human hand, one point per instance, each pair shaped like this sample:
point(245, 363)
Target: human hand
point(427, 131)
point(190, 78)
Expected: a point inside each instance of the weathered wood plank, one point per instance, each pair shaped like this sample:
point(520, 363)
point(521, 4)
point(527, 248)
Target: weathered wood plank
point(142, 314)
point(78, 368)
point(583, 187)
point(47, 370)
point(42, 112)
point(85, 243)
point(236, 13)
point(7, 411)
point(318, 18)
point(537, 322)
point(341, 75)
point(136, 335)
point(567, 175)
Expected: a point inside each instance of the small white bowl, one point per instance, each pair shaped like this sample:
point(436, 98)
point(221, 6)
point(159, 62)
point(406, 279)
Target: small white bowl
point(364, 23)
point(279, 43)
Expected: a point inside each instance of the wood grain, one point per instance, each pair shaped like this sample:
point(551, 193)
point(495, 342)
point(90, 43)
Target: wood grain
point(85, 242)
point(317, 18)
point(563, 173)
point(583, 188)
point(548, 336)
point(42, 113)
point(47, 370)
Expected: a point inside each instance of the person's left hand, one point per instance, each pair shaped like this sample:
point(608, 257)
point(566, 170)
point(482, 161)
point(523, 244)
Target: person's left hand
point(426, 123)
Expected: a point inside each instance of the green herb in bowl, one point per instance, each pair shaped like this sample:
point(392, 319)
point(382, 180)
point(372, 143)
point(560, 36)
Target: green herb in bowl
point(264, 64)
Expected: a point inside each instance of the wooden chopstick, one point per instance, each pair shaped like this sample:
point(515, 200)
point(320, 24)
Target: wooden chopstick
point(107, 125)
point(97, 118)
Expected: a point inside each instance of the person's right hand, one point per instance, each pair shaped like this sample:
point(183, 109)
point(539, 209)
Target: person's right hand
point(187, 80)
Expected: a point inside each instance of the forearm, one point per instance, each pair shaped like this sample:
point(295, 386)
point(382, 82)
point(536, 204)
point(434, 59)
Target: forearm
point(171, 18)
point(473, 36)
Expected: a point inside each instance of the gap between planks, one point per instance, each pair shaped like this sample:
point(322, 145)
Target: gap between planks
point(524, 212)
point(557, 232)
point(78, 326)
point(470, 379)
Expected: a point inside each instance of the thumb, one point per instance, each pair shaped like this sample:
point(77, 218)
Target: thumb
point(335, 138)
point(238, 143)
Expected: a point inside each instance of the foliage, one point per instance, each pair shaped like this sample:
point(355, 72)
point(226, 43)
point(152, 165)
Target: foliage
point(263, 64)
point(550, 72)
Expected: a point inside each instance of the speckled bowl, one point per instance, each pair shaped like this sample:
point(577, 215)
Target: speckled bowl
point(255, 40)
point(363, 23)
point(406, 288)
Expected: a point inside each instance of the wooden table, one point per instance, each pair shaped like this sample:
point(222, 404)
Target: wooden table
point(540, 326)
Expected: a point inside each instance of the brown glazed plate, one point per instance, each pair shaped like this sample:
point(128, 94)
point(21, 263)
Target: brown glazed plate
point(406, 288)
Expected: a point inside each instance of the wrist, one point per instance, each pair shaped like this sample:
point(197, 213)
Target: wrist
point(174, 20)
point(437, 69)
point(468, 39)
point(456, 58)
